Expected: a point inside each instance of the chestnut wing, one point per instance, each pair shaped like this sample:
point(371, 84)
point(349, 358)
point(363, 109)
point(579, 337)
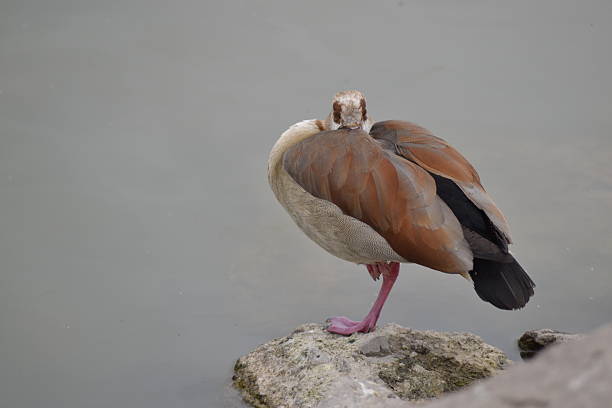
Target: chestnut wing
point(436, 156)
point(394, 196)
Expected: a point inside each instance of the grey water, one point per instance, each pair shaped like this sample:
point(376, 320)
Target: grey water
point(141, 250)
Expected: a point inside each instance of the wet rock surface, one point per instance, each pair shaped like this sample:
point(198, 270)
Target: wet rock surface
point(386, 368)
point(533, 341)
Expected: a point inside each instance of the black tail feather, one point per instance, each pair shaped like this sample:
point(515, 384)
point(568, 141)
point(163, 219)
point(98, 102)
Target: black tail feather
point(504, 285)
point(498, 279)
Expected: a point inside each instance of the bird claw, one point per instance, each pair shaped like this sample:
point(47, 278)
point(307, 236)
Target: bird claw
point(378, 268)
point(374, 271)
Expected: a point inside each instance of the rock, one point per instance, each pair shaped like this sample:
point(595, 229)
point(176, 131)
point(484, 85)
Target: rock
point(533, 341)
point(375, 346)
point(314, 368)
point(575, 374)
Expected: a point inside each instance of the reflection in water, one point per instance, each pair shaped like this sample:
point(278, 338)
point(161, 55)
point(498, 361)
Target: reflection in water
point(142, 251)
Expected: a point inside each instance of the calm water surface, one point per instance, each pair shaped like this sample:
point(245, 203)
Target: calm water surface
point(141, 251)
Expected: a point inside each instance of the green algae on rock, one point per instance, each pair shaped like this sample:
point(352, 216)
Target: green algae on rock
point(314, 368)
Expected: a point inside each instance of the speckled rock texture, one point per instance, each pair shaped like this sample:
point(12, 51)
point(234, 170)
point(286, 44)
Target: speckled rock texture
point(577, 374)
point(386, 368)
point(533, 341)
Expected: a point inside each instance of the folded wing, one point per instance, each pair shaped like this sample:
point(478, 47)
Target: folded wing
point(498, 278)
point(436, 156)
point(394, 196)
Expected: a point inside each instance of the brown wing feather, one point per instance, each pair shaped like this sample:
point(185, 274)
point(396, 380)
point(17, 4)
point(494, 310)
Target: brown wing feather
point(389, 193)
point(435, 155)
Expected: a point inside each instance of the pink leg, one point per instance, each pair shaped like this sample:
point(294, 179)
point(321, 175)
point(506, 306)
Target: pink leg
point(343, 325)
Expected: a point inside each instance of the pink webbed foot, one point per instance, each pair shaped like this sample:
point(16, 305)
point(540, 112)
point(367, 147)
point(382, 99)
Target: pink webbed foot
point(345, 326)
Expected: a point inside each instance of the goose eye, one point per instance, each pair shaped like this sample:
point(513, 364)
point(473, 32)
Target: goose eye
point(337, 111)
point(364, 111)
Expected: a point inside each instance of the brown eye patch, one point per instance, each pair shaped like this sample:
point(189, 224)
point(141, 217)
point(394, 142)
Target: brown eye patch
point(337, 111)
point(364, 111)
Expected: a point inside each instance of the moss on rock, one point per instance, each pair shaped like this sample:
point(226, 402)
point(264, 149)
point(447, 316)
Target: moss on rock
point(311, 367)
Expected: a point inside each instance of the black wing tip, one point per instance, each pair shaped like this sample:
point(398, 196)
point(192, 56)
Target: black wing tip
point(505, 285)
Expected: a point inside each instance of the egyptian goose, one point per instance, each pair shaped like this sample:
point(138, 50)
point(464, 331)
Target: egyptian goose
point(390, 192)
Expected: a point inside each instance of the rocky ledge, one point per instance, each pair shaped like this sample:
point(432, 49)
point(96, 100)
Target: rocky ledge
point(534, 341)
point(575, 374)
point(314, 368)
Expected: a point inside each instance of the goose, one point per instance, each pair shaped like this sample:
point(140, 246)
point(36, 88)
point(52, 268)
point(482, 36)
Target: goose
point(385, 193)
